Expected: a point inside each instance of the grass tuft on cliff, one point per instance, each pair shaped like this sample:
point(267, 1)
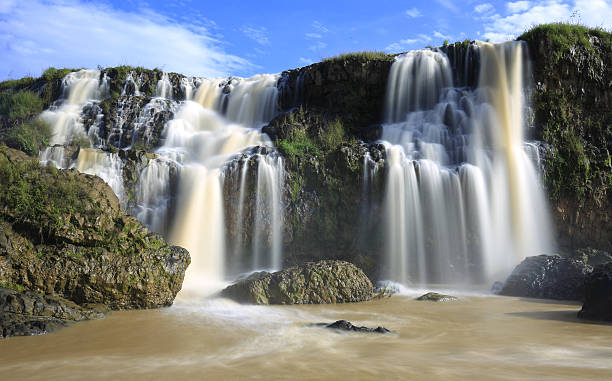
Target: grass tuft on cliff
point(362, 55)
point(20, 105)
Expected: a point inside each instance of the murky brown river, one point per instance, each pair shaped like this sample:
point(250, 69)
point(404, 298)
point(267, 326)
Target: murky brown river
point(477, 338)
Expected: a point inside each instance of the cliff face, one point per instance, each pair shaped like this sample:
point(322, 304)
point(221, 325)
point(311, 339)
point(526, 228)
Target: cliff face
point(572, 99)
point(330, 116)
point(64, 233)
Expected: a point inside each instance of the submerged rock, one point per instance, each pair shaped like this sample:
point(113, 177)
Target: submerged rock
point(435, 297)
point(310, 283)
point(598, 294)
point(26, 313)
point(547, 277)
point(344, 325)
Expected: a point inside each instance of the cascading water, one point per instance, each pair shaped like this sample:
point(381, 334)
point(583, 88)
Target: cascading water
point(164, 87)
point(204, 135)
point(463, 201)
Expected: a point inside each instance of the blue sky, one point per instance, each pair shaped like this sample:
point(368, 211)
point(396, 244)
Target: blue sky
point(218, 38)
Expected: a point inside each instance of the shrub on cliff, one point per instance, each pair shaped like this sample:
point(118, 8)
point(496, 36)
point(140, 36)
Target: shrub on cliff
point(20, 105)
point(29, 137)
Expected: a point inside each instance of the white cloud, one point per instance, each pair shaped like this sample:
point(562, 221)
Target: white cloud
point(306, 61)
point(413, 13)
point(401, 45)
point(425, 37)
point(594, 13)
point(257, 34)
point(73, 33)
point(483, 8)
point(318, 45)
point(517, 6)
point(440, 35)
point(319, 27)
point(314, 35)
point(448, 4)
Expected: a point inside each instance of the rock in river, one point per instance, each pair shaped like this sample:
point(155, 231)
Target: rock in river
point(548, 277)
point(435, 297)
point(320, 282)
point(598, 294)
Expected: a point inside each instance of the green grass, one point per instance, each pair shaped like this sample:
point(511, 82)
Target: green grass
point(29, 137)
point(16, 84)
point(53, 74)
point(20, 105)
point(363, 55)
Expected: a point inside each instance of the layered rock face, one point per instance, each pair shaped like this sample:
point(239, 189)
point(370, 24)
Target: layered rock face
point(320, 282)
point(64, 233)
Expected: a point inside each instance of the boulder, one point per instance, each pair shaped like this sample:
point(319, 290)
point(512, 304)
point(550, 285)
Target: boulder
point(547, 277)
point(320, 282)
point(435, 297)
point(26, 313)
point(344, 325)
point(598, 294)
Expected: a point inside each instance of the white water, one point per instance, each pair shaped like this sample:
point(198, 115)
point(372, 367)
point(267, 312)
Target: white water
point(204, 135)
point(164, 87)
point(463, 200)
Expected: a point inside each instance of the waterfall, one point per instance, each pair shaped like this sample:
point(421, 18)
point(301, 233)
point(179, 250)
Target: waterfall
point(221, 122)
point(107, 166)
point(164, 87)
point(463, 200)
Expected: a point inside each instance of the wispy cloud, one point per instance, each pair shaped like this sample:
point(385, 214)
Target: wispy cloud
point(257, 34)
point(36, 34)
point(413, 13)
point(517, 6)
point(401, 45)
point(441, 35)
point(448, 4)
point(305, 61)
point(483, 8)
point(595, 13)
point(318, 46)
point(319, 27)
point(313, 35)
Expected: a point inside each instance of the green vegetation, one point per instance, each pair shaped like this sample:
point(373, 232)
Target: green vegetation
point(29, 137)
point(363, 55)
point(16, 84)
point(80, 141)
point(20, 105)
point(13, 286)
point(36, 195)
point(572, 69)
point(298, 144)
point(53, 74)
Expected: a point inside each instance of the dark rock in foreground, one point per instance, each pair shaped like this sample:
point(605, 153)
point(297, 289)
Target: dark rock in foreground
point(547, 277)
point(598, 294)
point(310, 283)
point(26, 313)
point(435, 297)
point(344, 325)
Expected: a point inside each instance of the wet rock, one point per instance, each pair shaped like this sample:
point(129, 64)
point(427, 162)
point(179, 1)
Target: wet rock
point(547, 277)
point(435, 297)
point(26, 313)
point(344, 325)
point(85, 249)
point(310, 283)
point(598, 294)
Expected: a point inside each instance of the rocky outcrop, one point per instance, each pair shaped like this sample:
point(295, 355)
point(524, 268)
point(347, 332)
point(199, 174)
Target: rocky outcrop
point(598, 294)
point(64, 233)
point(26, 313)
point(572, 97)
point(343, 325)
point(547, 277)
point(435, 297)
point(310, 283)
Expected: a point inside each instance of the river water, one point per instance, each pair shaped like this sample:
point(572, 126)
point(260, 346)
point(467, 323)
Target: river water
point(479, 337)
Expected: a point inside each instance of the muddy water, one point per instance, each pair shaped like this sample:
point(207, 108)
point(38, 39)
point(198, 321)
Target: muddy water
point(477, 338)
